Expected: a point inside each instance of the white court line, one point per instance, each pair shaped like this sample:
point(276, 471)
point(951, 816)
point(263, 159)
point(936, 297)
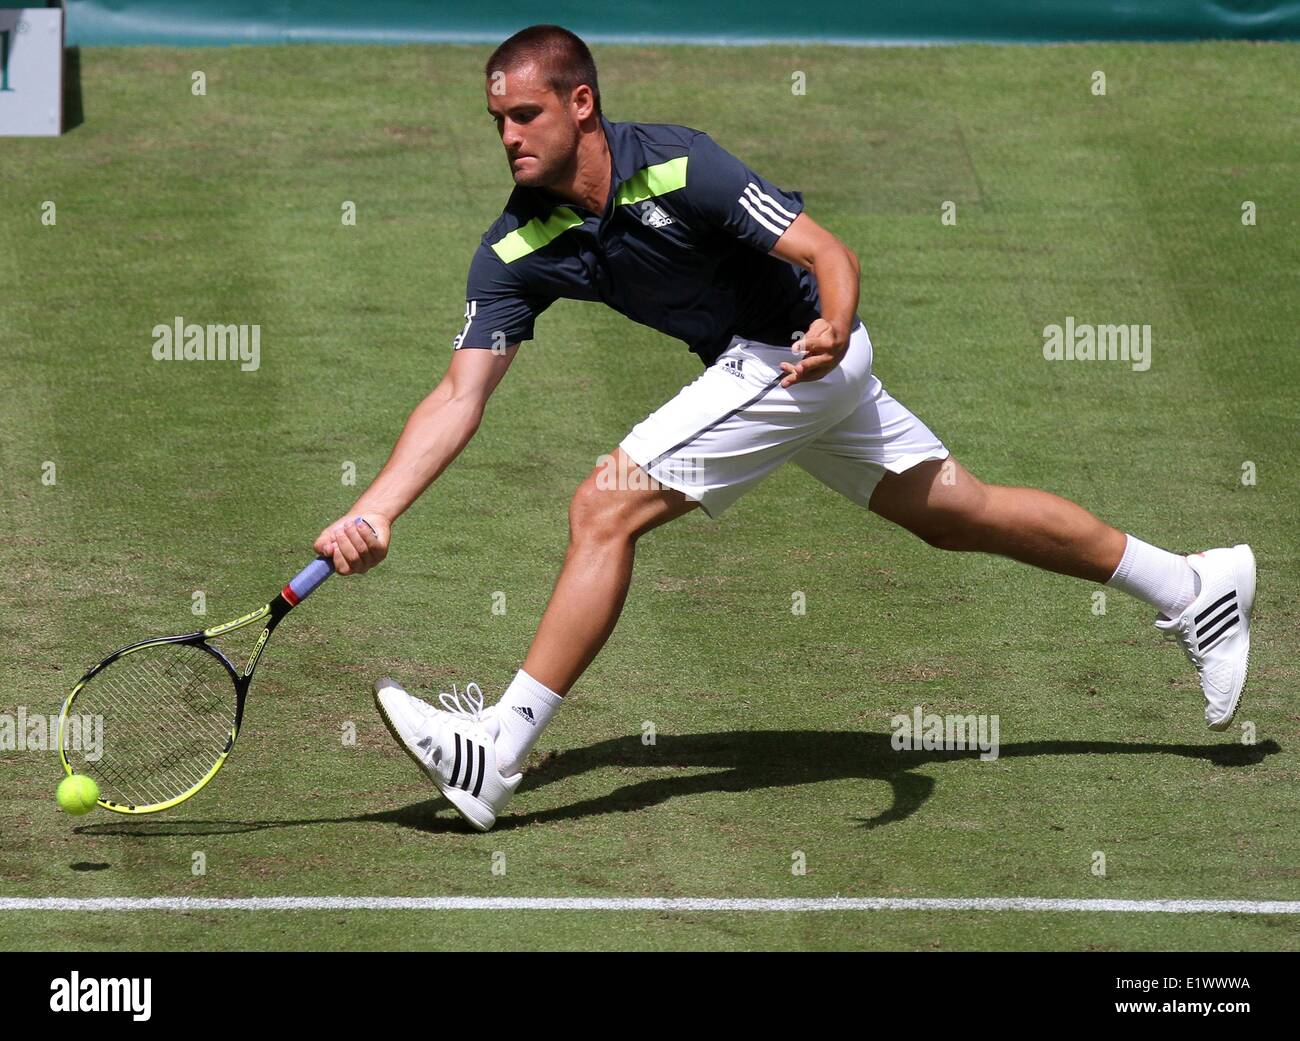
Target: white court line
point(694, 904)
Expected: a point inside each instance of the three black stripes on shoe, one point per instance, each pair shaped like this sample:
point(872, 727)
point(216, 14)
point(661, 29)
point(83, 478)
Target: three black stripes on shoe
point(1208, 633)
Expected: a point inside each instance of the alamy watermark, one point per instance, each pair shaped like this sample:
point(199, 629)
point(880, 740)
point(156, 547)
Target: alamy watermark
point(25, 731)
point(75, 993)
point(617, 472)
point(932, 732)
point(1078, 341)
point(189, 341)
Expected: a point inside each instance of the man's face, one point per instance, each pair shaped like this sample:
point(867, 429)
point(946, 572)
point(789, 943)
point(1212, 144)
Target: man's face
point(539, 131)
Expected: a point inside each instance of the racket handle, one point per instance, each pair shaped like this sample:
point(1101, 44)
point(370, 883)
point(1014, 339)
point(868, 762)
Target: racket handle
point(304, 583)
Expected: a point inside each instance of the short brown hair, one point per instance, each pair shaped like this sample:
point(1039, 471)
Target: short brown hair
point(563, 57)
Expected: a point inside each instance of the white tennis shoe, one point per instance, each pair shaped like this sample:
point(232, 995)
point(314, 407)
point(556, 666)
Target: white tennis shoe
point(1214, 630)
point(453, 746)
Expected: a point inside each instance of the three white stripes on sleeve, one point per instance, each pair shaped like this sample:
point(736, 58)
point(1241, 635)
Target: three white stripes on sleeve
point(766, 210)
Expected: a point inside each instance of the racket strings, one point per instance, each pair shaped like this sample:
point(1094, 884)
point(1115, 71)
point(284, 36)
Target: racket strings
point(168, 711)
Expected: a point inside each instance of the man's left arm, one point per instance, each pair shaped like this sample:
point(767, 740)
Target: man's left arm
point(835, 266)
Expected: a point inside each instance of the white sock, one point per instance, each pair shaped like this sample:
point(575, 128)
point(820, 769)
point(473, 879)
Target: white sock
point(1163, 579)
point(521, 715)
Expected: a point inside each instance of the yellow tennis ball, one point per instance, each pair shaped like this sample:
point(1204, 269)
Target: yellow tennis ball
point(78, 794)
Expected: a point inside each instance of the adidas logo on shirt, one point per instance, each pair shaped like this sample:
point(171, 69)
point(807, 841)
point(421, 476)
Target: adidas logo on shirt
point(526, 713)
point(655, 217)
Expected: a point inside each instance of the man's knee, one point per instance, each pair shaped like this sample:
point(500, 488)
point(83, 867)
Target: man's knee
point(605, 511)
point(596, 514)
point(599, 513)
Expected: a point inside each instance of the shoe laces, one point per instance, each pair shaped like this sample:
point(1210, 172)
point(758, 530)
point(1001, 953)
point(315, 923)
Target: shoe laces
point(1182, 632)
point(471, 709)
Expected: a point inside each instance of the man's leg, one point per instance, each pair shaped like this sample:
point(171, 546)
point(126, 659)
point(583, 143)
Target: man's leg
point(474, 754)
point(948, 507)
point(944, 504)
point(719, 437)
point(1205, 600)
point(604, 525)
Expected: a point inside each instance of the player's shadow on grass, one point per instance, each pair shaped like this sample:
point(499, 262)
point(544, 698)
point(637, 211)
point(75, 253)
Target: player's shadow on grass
point(734, 762)
point(758, 759)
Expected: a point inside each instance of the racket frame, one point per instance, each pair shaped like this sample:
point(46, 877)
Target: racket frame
point(271, 613)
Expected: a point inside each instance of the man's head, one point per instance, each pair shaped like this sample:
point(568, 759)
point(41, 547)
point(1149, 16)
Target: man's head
point(542, 93)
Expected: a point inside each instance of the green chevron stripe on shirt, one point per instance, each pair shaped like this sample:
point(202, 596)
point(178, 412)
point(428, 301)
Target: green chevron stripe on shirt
point(535, 234)
point(659, 179)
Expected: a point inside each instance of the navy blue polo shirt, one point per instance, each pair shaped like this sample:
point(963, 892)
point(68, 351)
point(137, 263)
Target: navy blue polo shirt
point(682, 246)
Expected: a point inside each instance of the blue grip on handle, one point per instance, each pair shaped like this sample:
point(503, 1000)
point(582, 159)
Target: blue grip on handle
point(304, 583)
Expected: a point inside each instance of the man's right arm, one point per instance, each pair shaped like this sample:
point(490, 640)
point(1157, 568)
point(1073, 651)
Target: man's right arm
point(435, 433)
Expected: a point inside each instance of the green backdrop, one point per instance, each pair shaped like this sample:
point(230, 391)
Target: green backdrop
point(207, 22)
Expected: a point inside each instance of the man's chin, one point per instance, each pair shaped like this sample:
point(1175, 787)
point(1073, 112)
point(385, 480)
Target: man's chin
point(531, 174)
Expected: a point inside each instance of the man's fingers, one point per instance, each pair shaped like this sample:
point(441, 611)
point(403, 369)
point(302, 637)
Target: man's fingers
point(368, 534)
point(813, 366)
point(356, 542)
point(346, 552)
point(353, 544)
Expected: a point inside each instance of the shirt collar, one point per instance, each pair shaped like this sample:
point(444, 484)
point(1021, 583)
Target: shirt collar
point(625, 150)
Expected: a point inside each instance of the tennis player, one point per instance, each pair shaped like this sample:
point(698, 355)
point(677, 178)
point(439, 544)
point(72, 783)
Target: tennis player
point(665, 226)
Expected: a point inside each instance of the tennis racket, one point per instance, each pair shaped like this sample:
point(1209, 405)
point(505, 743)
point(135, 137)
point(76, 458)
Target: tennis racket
point(171, 707)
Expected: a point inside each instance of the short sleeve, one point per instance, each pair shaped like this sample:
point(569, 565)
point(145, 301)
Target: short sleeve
point(498, 310)
point(732, 197)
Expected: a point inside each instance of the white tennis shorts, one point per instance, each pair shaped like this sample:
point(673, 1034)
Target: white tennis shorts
point(735, 424)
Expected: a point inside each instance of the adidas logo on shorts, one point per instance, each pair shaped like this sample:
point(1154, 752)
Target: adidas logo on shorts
point(733, 366)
